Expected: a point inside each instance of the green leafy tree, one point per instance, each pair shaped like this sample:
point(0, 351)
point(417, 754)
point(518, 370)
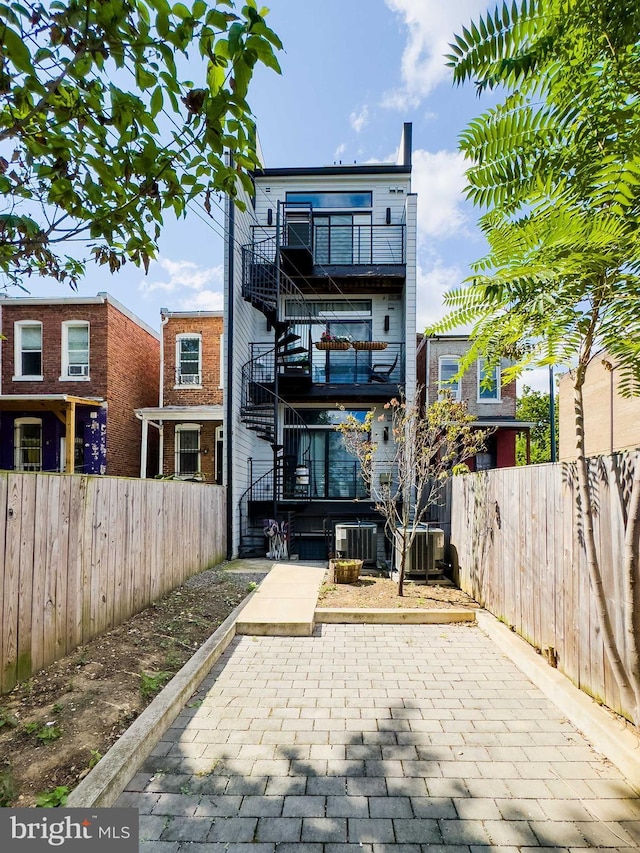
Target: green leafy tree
point(557, 167)
point(533, 406)
point(100, 132)
point(409, 475)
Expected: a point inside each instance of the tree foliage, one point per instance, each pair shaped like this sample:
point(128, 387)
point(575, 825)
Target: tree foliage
point(556, 166)
point(533, 406)
point(100, 132)
point(408, 475)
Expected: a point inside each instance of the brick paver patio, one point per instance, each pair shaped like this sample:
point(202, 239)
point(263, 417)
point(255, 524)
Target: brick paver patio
point(380, 737)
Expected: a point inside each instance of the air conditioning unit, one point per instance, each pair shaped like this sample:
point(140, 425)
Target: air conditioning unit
point(357, 541)
point(427, 548)
point(78, 370)
point(189, 379)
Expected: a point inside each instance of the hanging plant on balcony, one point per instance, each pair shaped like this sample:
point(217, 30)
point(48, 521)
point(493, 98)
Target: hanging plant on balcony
point(369, 345)
point(336, 342)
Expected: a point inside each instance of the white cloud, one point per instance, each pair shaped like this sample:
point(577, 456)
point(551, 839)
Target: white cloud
point(431, 25)
point(434, 280)
point(180, 275)
point(359, 119)
point(439, 181)
point(205, 300)
point(340, 151)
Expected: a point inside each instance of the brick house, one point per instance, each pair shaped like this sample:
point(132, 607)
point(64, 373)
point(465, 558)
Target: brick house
point(189, 416)
point(73, 371)
point(611, 421)
point(438, 360)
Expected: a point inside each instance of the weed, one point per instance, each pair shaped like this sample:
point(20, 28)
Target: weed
point(172, 659)
point(151, 683)
point(43, 731)
point(52, 799)
point(96, 755)
point(195, 704)
point(251, 586)
point(185, 789)
point(7, 719)
point(57, 708)
point(7, 788)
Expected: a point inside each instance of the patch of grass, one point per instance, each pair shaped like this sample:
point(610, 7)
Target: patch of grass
point(7, 719)
point(152, 682)
point(45, 732)
point(53, 799)
point(8, 788)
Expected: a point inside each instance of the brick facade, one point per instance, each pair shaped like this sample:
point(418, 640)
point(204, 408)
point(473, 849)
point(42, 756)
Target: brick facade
point(207, 326)
point(124, 366)
point(611, 421)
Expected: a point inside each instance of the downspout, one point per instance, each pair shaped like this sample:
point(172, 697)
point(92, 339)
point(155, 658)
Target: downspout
point(163, 322)
point(228, 391)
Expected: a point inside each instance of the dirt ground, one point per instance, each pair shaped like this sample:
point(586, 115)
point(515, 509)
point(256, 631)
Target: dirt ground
point(56, 726)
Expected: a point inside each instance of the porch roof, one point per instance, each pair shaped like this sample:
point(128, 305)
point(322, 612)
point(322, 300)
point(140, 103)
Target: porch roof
point(508, 423)
point(44, 402)
point(179, 413)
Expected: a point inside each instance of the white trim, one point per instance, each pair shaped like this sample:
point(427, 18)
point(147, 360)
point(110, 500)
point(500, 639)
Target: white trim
point(188, 336)
point(180, 428)
point(19, 376)
point(498, 380)
point(17, 443)
point(65, 376)
point(457, 393)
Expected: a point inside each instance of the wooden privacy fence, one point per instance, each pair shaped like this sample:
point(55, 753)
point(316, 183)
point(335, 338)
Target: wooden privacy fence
point(516, 537)
point(81, 554)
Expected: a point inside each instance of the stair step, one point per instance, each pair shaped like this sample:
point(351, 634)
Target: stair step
point(291, 351)
point(287, 339)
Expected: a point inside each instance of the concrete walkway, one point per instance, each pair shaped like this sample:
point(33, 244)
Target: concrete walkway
point(419, 738)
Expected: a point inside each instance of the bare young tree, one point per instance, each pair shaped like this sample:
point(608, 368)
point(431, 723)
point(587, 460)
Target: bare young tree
point(408, 477)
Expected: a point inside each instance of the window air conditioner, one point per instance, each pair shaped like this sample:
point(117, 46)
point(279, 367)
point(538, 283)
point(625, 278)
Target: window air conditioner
point(78, 370)
point(189, 379)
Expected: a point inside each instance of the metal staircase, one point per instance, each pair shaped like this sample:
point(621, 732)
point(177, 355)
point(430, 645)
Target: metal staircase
point(274, 493)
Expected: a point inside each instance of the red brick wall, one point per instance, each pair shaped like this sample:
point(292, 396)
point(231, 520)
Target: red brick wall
point(124, 369)
point(133, 373)
point(52, 317)
point(207, 448)
point(210, 328)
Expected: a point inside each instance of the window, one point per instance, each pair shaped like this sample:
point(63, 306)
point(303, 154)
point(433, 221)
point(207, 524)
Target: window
point(488, 381)
point(28, 350)
point(189, 360)
point(28, 444)
point(448, 367)
point(187, 450)
point(336, 200)
point(75, 350)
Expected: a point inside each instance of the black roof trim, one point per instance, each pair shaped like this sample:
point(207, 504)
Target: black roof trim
point(374, 169)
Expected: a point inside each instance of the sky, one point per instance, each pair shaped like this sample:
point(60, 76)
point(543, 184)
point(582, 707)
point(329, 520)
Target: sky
point(353, 71)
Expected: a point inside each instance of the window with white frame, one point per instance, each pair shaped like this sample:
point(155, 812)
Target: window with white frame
point(187, 461)
point(189, 360)
point(449, 365)
point(27, 444)
point(488, 381)
point(28, 349)
point(75, 350)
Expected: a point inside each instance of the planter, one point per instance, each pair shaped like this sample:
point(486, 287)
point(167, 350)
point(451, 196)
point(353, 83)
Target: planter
point(370, 345)
point(340, 345)
point(345, 571)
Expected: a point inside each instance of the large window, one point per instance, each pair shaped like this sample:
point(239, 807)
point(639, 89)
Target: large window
point(334, 472)
point(28, 350)
point(75, 350)
point(488, 381)
point(28, 444)
point(448, 367)
point(332, 200)
point(187, 462)
point(189, 360)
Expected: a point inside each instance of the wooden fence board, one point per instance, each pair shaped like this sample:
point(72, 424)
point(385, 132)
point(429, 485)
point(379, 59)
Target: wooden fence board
point(530, 567)
point(79, 554)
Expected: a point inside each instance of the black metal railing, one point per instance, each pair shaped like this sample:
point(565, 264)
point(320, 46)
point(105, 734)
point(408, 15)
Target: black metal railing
point(359, 366)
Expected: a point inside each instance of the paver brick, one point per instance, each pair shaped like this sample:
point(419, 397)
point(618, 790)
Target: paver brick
point(278, 829)
point(370, 830)
point(350, 806)
point(304, 806)
point(324, 829)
